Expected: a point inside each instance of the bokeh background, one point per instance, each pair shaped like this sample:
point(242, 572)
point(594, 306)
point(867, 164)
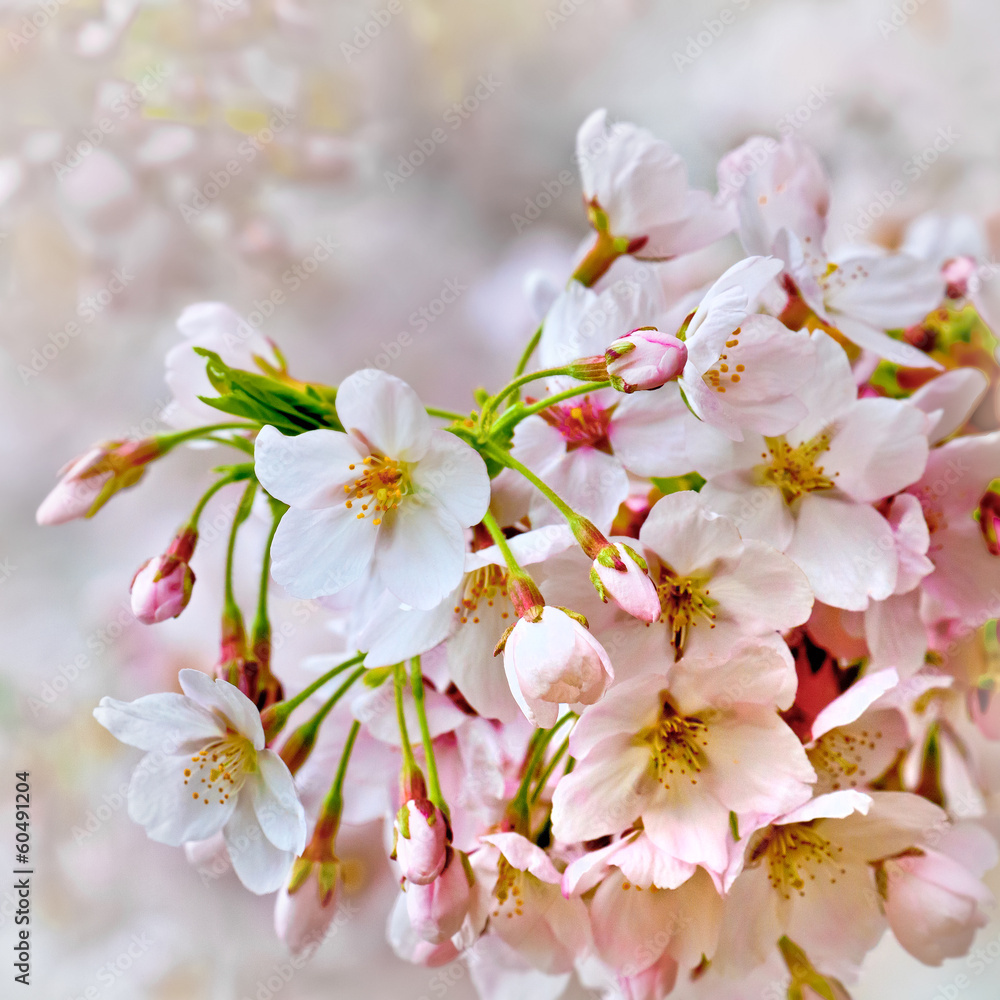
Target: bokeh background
point(120, 124)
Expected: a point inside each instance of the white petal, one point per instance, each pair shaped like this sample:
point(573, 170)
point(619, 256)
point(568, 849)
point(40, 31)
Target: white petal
point(168, 723)
point(647, 432)
point(420, 553)
point(846, 550)
point(953, 396)
point(897, 351)
point(456, 476)
point(260, 866)
point(758, 511)
point(221, 696)
point(386, 412)
point(159, 800)
point(854, 702)
point(687, 536)
point(306, 470)
point(318, 552)
point(276, 804)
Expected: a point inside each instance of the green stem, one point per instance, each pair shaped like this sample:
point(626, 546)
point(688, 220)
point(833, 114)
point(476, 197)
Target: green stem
point(434, 411)
point(261, 622)
point(541, 740)
point(515, 416)
point(334, 801)
point(231, 608)
point(179, 437)
point(285, 708)
point(399, 680)
point(496, 533)
point(549, 769)
point(515, 384)
point(433, 784)
point(505, 458)
point(528, 351)
point(206, 496)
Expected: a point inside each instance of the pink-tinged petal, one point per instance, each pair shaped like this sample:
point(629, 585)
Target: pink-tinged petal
point(631, 589)
point(455, 475)
point(757, 673)
point(307, 470)
point(758, 512)
point(647, 433)
point(159, 800)
point(687, 536)
point(832, 805)
point(643, 863)
point(259, 865)
point(906, 517)
point(631, 926)
point(895, 822)
point(950, 399)
point(966, 581)
point(220, 696)
point(395, 631)
point(754, 918)
point(529, 547)
point(765, 591)
point(895, 633)
point(846, 550)
point(725, 306)
point(164, 723)
point(958, 474)
point(386, 412)
point(319, 552)
point(860, 753)
point(592, 482)
point(587, 870)
point(605, 793)
point(879, 446)
point(276, 804)
point(525, 856)
point(420, 552)
point(501, 973)
point(628, 707)
point(759, 769)
point(693, 828)
point(890, 291)
point(854, 702)
point(831, 393)
point(476, 672)
point(871, 339)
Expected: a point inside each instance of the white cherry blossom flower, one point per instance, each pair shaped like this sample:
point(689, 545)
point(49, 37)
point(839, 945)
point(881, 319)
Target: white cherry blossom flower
point(389, 498)
point(207, 770)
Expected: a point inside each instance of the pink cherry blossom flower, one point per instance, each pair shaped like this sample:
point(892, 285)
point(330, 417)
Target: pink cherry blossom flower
point(437, 909)
point(809, 492)
point(640, 185)
point(206, 769)
point(675, 751)
point(554, 661)
point(390, 498)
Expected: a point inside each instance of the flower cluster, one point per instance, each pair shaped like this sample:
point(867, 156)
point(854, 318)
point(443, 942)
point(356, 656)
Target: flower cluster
point(666, 664)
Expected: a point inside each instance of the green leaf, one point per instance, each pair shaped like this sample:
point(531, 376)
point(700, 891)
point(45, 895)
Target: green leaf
point(674, 484)
point(265, 400)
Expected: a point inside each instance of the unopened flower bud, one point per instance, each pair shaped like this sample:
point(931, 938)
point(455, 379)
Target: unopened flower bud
point(631, 589)
point(554, 661)
point(645, 359)
point(421, 841)
point(88, 482)
point(959, 274)
point(436, 910)
point(162, 586)
point(305, 908)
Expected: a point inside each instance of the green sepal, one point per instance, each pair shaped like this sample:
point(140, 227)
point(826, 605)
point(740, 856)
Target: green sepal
point(376, 677)
point(675, 484)
point(734, 826)
point(265, 400)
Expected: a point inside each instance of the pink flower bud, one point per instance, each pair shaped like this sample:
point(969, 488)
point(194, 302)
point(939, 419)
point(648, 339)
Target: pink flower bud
point(161, 589)
point(303, 915)
point(436, 910)
point(645, 359)
point(631, 589)
point(554, 661)
point(88, 482)
point(959, 274)
point(421, 841)
point(652, 983)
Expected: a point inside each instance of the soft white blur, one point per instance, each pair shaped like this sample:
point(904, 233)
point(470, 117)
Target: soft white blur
point(114, 116)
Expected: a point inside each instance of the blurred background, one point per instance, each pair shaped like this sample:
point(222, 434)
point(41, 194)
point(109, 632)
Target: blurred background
point(367, 183)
